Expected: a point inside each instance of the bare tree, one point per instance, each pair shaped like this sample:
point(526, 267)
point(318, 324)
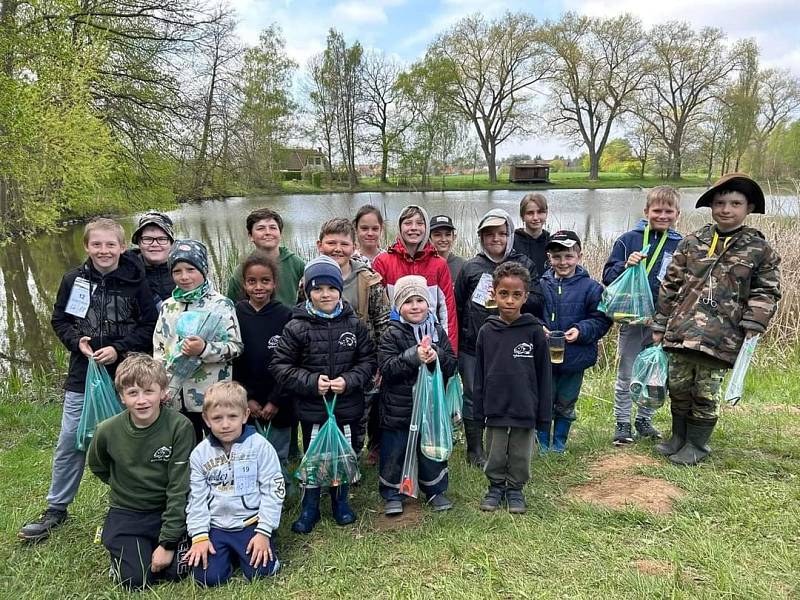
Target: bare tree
point(641, 137)
point(689, 69)
point(599, 65)
point(384, 110)
point(323, 108)
point(779, 100)
point(491, 68)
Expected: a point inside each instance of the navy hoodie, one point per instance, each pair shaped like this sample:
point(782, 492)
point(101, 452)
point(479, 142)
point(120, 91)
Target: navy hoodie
point(534, 248)
point(572, 302)
point(631, 242)
point(261, 331)
point(512, 375)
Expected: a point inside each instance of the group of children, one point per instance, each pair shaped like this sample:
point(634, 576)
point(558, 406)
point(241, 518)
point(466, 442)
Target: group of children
point(357, 324)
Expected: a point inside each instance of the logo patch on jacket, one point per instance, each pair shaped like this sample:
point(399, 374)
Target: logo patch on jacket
point(273, 342)
point(523, 350)
point(163, 454)
point(347, 339)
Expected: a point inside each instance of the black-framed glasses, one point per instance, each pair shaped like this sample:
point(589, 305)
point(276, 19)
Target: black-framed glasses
point(149, 240)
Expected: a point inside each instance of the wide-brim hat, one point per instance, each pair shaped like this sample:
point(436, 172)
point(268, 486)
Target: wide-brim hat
point(735, 182)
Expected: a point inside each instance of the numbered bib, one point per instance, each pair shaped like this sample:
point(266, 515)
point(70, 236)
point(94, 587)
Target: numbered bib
point(79, 298)
point(245, 477)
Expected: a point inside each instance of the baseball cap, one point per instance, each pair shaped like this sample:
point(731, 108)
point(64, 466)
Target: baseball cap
point(565, 239)
point(441, 222)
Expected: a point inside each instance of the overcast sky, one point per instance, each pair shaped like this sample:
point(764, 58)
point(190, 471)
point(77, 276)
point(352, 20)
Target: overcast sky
point(405, 27)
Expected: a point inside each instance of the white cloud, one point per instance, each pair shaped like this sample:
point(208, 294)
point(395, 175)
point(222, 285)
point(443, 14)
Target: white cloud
point(360, 13)
point(772, 23)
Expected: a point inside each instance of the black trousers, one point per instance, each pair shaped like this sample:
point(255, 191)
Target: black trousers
point(131, 537)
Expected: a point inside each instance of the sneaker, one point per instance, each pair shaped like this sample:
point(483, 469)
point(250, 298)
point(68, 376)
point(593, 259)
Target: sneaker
point(645, 429)
point(440, 502)
point(622, 434)
point(491, 501)
point(516, 502)
point(39, 530)
point(393, 507)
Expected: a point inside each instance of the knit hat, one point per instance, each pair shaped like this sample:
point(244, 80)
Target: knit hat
point(158, 219)
point(410, 285)
point(323, 270)
point(192, 252)
point(735, 182)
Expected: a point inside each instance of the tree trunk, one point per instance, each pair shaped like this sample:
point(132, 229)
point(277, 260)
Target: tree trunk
point(675, 172)
point(491, 152)
point(594, 166)
point(201, 176)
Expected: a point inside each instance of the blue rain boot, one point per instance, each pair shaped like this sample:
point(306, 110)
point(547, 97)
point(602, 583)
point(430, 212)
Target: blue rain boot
point(560, 433)
point(342, 513)
point(544, 441)
point(309, 511)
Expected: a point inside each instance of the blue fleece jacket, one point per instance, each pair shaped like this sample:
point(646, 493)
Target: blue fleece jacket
point(631, 242)
point(572, 302)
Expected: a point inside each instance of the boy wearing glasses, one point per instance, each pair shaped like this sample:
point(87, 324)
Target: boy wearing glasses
point(155, 235)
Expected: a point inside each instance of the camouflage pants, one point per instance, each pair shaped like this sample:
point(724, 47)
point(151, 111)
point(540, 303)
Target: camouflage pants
point(694, 388)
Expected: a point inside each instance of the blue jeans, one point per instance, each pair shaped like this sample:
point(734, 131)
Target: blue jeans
point(231, 549)
point(68, 461)
point(566, 389)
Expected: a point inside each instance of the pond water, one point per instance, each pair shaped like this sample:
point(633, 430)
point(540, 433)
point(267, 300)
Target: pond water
point(30, 271)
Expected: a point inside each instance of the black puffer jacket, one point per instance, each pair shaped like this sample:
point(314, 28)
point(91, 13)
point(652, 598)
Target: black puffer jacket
point(472, 316)
point(399, 366)
point(121, 314)
point(311, 346)
point(159, 277)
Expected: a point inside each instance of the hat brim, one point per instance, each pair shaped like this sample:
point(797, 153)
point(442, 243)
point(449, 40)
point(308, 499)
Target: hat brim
point(492, 222)
point(442, 226)
point(563, 243)
point(746, 186)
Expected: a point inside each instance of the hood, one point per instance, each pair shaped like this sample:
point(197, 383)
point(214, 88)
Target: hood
point(671, 233)
point(247, 431)
point(130, 269)
point(580, 273)
point(498, 324)
point(499, 212)
point(400, 249)
point(356, 266)
point(269, 308)
point(426, 236)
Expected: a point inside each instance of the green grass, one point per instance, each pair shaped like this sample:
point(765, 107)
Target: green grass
point(578, 180)
point(735, 533)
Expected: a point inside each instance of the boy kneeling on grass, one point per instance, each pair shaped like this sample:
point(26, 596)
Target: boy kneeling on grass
point(143, 455)
point(722, 287)
point(512, 388)
point(237, 492)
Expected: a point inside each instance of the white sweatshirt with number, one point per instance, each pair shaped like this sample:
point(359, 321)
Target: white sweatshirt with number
point(233, 491)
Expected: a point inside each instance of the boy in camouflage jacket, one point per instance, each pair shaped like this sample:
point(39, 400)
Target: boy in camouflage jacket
point(722, 287)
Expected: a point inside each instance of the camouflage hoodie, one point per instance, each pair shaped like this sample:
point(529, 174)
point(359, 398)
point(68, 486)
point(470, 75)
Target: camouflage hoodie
point(707, 302)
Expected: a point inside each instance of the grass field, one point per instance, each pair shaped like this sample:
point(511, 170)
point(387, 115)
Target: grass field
point(727, 529)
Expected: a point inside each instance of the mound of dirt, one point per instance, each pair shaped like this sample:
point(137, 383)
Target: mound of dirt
point(620, 491)
point(411, 517)
point(614, 487)
point(648, 566)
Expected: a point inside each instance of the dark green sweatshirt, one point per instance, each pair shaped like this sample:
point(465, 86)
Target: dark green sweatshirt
point(148, 468)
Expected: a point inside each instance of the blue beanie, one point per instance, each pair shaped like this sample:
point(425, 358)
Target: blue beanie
point(323, 270)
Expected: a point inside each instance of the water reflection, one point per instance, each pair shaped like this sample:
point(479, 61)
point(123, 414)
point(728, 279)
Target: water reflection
point(30, 271)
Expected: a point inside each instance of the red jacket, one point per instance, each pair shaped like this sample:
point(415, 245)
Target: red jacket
point(396, 263)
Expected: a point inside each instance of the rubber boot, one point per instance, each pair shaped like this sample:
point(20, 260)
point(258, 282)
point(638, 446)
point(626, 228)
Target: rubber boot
point(544, 441)
point(561, 428)
point(309, 511)
point(678, 439)
point(342, 513)
point(698, 432)
point(473, 431)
